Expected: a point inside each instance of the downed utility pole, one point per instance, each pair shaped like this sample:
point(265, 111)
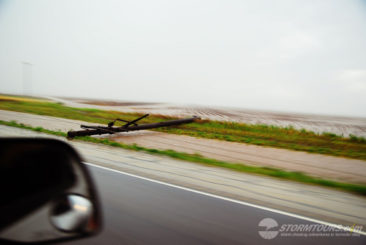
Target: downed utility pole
point(129, 126)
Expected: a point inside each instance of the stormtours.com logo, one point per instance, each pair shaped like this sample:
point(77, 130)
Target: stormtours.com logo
point(270, 229)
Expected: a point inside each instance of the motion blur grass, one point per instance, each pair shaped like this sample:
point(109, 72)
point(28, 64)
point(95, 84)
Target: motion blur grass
point(273, 172)
point(264, 135)
point(4, 97)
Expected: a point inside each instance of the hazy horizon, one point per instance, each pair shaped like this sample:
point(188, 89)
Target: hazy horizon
point(286, 56)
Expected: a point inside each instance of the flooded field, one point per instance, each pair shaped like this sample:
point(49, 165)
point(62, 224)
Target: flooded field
point(340, 125)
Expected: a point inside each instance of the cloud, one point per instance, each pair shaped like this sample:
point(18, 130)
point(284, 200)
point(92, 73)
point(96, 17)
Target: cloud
point(296, 44)
point(353, 80)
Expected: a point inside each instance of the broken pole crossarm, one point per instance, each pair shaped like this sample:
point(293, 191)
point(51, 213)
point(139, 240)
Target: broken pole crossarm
point(134, 121)
point(130, 126)
point(111, 124)
point(162, 124)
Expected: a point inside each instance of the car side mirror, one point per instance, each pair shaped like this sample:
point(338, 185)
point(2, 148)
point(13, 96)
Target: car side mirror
point(47, 194)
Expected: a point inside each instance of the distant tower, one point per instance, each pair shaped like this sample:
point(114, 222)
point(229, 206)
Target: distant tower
point(27, 77)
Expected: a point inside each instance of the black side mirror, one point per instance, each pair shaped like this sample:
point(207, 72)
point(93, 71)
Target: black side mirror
point(47, 194)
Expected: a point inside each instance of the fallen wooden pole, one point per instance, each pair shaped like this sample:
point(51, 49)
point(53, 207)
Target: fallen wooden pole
point(98, 130)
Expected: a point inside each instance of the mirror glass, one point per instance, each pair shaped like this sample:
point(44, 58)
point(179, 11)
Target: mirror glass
point(71, 213)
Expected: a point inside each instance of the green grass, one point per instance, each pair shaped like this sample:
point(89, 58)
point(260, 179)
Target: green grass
point(264, 135)
point(273, 172)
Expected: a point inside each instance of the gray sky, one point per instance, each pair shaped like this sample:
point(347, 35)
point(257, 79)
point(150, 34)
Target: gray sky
point(302, 56)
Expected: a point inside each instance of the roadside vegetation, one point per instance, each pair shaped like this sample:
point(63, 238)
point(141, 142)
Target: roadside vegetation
point(273, 172)
point(264, 135)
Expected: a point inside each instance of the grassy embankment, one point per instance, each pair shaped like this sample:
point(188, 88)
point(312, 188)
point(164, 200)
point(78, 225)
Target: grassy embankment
point(265, 135)
point(273, 172)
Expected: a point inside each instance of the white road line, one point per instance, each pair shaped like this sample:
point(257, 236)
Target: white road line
point(344, 228)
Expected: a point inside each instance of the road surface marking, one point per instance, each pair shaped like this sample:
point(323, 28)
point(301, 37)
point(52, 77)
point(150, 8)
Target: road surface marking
point(234, 201)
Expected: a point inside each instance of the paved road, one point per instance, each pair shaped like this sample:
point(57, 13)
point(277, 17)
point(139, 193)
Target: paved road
point(138, 211)
point(311, 201)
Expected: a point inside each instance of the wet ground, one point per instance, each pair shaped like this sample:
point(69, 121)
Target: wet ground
point(340, 125)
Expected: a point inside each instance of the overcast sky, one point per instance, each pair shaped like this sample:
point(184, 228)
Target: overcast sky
point(302, 56)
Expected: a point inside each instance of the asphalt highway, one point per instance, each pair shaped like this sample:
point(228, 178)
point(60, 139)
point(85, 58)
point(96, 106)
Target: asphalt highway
point(140, 211)
point(315, 202)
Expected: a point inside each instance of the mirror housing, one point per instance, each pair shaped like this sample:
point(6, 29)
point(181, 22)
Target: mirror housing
point(47, 194)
